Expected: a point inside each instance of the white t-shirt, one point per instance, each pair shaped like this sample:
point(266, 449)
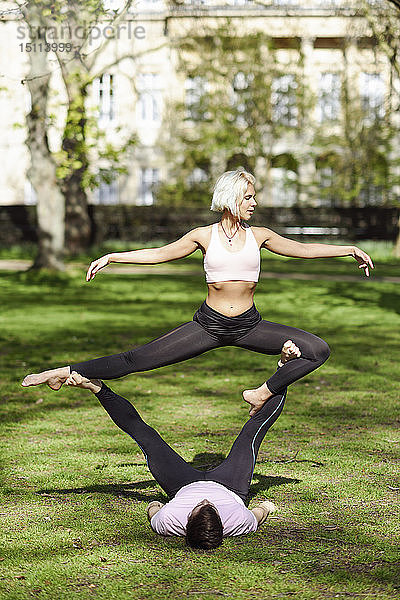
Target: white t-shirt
point(236, 519)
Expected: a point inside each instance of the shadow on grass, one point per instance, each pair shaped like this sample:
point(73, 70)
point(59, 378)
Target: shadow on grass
point(137, 491)
point(265, 482)
point(132, 491)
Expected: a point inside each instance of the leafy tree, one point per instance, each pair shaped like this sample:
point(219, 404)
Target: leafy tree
point(384, 22)
point(73, 170)
point(239, 100)
point(357, 164)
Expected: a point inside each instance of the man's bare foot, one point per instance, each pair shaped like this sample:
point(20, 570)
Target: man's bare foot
point(77, 380)
point(258, 397)
point(54, 378)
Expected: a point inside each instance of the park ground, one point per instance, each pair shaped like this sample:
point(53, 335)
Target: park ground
point(74, 488)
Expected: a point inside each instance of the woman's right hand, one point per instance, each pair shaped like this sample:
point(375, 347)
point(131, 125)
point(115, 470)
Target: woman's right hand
point(96, 265)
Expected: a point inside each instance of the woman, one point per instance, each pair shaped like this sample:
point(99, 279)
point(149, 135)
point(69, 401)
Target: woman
point(231, 250)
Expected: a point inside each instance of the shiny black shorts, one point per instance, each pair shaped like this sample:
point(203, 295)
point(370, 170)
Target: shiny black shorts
point(224, 329)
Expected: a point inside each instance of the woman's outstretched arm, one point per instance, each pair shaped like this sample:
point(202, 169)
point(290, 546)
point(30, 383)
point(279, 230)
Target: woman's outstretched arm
point(186, 245)
point(286, 247)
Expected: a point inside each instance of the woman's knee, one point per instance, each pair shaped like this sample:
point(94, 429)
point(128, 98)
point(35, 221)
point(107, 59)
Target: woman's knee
point(321, 350)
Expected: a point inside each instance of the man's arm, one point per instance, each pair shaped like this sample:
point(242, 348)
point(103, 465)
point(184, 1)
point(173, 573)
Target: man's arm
point(153, 508)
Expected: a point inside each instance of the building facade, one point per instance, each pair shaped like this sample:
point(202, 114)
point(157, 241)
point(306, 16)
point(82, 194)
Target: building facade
point(139, 82)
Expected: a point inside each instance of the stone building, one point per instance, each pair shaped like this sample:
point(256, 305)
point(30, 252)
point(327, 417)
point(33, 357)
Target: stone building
point(130, 94)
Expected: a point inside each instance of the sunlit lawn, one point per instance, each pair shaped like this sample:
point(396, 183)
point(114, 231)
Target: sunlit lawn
point(75, 488)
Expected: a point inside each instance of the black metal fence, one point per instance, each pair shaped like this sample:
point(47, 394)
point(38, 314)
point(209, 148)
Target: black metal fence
point(146, 223)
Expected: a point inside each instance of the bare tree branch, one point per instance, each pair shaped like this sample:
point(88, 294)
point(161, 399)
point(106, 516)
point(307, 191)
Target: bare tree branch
point(116, 21)
point(123, 57)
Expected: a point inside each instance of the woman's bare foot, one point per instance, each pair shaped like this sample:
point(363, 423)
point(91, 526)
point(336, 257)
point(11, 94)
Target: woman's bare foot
point(54, 378)
point(77, 380)
point(258, 397)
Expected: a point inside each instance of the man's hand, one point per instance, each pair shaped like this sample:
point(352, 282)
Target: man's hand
point(153, 508)
point(262, 510)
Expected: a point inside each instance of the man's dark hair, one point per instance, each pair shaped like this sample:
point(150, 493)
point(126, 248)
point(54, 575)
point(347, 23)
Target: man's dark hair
point(204, 529)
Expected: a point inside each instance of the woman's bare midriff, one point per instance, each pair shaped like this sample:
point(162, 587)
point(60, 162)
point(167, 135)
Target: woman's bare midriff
point(231, 298)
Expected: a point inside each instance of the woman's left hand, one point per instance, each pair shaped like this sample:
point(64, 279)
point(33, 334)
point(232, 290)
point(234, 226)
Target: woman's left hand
point(364, 261)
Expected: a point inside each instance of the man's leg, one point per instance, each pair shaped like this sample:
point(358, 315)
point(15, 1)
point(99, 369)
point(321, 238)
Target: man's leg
point(236, 471)
point(168, 468)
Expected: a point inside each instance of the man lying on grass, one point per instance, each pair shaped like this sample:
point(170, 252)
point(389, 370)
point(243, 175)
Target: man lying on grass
point(204, 506)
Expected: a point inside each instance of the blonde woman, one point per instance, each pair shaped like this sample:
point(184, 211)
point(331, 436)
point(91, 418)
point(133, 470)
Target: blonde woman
point(228, 316)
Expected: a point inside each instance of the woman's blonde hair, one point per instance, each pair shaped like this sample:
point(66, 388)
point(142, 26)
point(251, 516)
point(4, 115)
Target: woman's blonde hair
point(229, 190)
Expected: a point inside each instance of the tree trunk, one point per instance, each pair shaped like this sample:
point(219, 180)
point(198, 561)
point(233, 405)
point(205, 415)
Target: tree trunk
point(77, 222)
point(78, 225)
point(42, 172)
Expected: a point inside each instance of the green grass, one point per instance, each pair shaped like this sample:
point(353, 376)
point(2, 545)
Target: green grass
point(74, 488)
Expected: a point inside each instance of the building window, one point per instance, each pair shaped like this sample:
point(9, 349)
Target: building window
point(372, 92)
point(325, 177)
point(325, 180)
point(103, 88)
point(148, 179)
point(284, 187)
point(284, 100)
point(371, 195)
point(329, 97)
point(241, 95)
point(149, 107)
point(197, 176)
point(107, 193)
point(195, 90)
point(242, 81)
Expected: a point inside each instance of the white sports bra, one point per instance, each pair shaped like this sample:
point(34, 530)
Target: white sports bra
point(222, 265)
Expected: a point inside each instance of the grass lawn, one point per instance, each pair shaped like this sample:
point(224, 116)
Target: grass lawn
point(74, 488)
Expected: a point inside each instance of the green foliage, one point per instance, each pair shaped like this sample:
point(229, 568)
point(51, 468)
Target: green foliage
point(227, 119)
point(243, 99)
point(361, 156)
point(61, 11)
point(90, 151)
point(84, 144)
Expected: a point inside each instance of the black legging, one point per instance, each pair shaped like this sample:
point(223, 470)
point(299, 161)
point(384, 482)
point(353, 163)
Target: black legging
point(170, 470)
point(191, 339)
